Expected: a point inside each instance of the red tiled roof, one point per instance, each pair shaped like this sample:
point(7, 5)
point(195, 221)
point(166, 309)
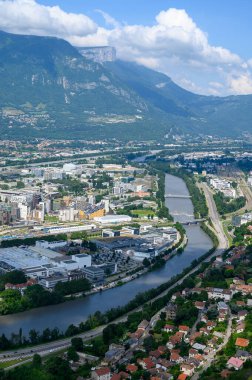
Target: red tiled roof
point(184, 328)
point(182, 376)
point(241, 342)
point(102, 371)
point(131, 368)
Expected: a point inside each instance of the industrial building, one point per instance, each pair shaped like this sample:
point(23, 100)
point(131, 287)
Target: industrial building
point(113, 219)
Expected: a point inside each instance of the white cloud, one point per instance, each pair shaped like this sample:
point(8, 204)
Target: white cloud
point(241, 84)
point(29, 17)
point(174, 44)
point(110, 21)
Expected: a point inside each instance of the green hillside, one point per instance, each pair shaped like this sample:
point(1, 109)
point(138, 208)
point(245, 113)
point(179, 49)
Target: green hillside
point(48, 89)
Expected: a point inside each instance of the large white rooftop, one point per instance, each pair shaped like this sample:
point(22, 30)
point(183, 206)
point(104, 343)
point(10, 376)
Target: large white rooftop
point(21, 258)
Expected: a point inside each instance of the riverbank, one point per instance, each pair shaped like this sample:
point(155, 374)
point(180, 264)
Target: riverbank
point(80, 310)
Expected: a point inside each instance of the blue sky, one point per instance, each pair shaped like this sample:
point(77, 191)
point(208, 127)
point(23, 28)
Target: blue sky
point(227, 22)
point(203, 45)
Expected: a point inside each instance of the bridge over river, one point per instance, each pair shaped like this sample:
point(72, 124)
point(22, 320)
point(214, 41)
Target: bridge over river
point(190, 222)
point(177, 196)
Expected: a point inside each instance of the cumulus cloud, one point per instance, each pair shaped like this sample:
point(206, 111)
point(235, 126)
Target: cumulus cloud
point(241, 84)
point(29, 17)
point(174, 44)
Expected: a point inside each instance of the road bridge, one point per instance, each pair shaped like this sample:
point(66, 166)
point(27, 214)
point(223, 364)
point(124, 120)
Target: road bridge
point(177, 196)
point(190, 222)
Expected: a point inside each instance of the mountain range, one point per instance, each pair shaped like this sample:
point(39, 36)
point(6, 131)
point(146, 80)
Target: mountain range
point(49, 88)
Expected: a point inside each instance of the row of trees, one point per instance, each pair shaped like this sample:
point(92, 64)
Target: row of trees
point(31, 240)
point(99, 318)
point(12, 301)
point(226, 205)
point(197, 196)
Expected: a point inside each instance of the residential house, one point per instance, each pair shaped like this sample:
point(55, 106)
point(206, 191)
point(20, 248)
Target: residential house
point(184, 329)
point(240, 327)
point(215, 293)
point(193, 353)
point(120, 376)
point(174, 339)
point(187, 369)
point(222, 317)
point(244, 289)
point(175, 296)
point(171, 311)
point(241, 342)
point(222, 306)
point(193, 336)
point(114, 354)
point(200, 305)
point(154, 355)
point(176, 358)
point(169, 328)
point(210, 325)
point(242, 315)
point(131, 368)
point(235, 363)
point(146, 363)
point(243, 355)
point(182, 376)
point(240, 303)
point(102, 373)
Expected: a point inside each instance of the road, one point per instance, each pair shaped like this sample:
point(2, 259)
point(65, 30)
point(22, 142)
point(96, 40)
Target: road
point(215, 218)
point(248, 195)
point(212, 355)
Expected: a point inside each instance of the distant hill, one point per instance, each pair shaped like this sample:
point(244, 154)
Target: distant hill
point(48, 88)
point(223, 116)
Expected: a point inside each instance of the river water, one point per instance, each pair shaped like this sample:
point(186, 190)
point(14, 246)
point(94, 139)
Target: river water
point(74, 312)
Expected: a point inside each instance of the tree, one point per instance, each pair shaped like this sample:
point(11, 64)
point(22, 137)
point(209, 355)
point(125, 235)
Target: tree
point(13, 277)
point(72, 354)
point(33, 335)
point(36, 361)
point(77, 343)
point(146, 262)
point(20, 185)
point(58, 368)
point(149, 343)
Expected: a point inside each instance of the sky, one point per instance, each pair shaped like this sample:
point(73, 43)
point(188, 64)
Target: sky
point(203, 45)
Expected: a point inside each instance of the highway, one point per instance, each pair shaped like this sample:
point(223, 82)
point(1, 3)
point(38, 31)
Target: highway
point(215, 218)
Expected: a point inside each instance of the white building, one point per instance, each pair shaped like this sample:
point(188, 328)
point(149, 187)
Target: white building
point(113, 219)
point(238, 220)
point(69, 168)
point(215, 293)
point(82, 260)
point(53, 173)
point(67, 214)
point(68, 229)
point(249, 181)
point(50, 244)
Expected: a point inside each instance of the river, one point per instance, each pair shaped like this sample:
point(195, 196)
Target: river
point(73, 312)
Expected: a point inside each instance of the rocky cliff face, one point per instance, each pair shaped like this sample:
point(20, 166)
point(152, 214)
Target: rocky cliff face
point(99, 54)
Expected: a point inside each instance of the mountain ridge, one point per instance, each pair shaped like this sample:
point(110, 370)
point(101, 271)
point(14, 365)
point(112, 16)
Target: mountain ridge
point(48, 89)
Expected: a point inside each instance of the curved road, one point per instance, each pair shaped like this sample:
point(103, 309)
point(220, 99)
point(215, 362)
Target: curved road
point(215, 218)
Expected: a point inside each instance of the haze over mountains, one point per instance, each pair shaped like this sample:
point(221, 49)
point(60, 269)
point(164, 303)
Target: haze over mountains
point(48, 88)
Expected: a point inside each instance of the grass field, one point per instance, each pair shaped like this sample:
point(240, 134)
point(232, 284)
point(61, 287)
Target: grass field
point(143, 212)
point(9, 363)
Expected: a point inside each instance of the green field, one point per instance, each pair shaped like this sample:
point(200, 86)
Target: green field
point(9, 363)
point(143, 212)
